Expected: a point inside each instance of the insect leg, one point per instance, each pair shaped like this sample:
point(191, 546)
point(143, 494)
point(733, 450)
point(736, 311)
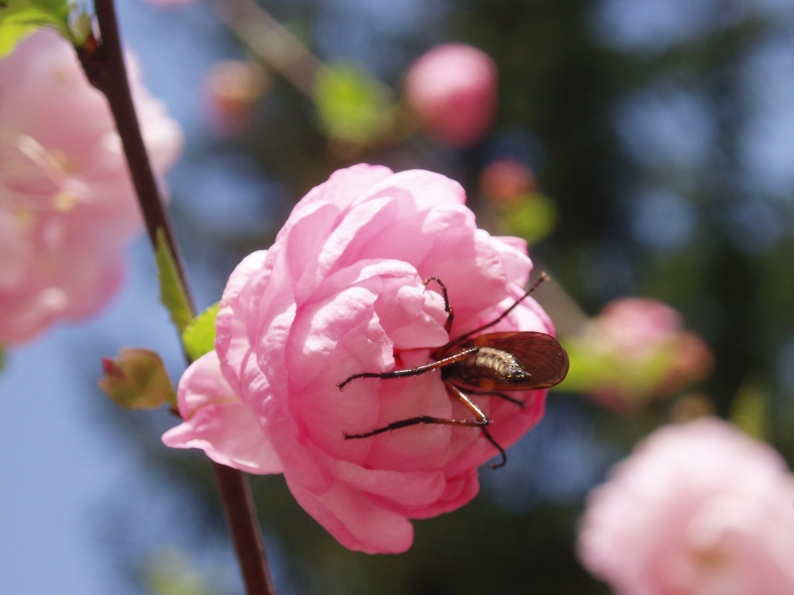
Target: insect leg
point(480, 422)
point(446, 361)
point(447, 307)
point(482, 419)
point(501, 396)
point(415, 421)
point(490, 439)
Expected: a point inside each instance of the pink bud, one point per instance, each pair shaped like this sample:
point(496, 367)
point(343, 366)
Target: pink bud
point(231, 90)
point(506, 179)
point(452, 92)
point(136, 380)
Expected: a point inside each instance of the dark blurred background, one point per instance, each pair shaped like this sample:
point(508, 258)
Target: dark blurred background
point(663, 132)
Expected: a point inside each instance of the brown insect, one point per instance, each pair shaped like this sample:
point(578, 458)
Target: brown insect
point(487, 364)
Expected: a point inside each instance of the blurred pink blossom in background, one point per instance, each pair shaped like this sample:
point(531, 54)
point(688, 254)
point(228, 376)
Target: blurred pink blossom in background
point(232, 89)
point(452, 91)
point(340, 292)
point(67, 205)
point(505, 180)
point(698, 509)
point(636, 350)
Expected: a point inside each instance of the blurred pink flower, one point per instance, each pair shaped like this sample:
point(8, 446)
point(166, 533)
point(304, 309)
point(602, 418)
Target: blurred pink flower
point(340, 292)
point(698, 509)
point(636, 327)
point(452, 91)
point(67, 205)
point(638, 350)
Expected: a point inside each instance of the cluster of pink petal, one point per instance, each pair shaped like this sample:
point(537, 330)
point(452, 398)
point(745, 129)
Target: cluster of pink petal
point(698, 509)
point(340, 292)
point(67, 205)
point(452, 91)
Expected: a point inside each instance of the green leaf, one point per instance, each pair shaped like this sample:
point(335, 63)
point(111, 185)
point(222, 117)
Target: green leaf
point(351, 105)
point(750, 408)
point(199, 336)
point(172, 293)
point(19, 18)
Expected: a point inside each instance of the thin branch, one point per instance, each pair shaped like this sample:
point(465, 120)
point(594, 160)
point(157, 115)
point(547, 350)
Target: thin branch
point(271, 42)
point(104, 64)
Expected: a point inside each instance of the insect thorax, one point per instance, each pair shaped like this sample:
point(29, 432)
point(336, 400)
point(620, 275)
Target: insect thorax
point(488, 366)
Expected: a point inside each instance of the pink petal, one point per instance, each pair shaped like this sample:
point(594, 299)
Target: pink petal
point(217, 422)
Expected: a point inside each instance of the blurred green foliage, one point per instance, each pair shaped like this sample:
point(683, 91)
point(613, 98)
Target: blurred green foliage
point(530, 216)
point(19, 18)
point(352, 106)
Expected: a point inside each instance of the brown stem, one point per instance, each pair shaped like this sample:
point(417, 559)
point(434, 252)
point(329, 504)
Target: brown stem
point(104, 65)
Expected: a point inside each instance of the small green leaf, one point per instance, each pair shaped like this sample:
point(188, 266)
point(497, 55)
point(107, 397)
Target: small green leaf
point(531, 216)
point(172, 293)
point(351, 105)
point(2, 358)
point(19, 18)
point(749, 411)
point(199, 336)
point(137, 379)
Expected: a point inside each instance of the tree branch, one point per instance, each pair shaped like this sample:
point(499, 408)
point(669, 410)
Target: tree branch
point(103, 62)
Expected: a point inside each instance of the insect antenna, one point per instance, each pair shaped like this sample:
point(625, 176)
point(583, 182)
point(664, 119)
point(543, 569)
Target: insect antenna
point(447, 307)
point(462, 338)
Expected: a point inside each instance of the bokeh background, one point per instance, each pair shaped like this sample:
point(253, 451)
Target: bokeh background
point(661, 132)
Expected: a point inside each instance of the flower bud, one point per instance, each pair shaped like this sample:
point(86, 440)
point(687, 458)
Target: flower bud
point(137, 380)
point(452, 92)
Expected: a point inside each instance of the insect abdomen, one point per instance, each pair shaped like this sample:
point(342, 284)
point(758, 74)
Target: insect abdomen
point(487, 367)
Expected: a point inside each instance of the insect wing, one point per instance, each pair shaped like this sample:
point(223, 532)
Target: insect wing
point(540, 354)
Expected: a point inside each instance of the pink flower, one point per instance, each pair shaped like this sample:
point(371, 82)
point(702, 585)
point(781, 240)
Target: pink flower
point(698, 509)
point(67, 205)
point(638, 350)
point(636, 327)
point(341, 292)
point(452, 91)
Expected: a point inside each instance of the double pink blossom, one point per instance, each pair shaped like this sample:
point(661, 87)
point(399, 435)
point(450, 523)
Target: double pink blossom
point(698, 509)
point(452, 91)
point(67, 205)
point(340, 292)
